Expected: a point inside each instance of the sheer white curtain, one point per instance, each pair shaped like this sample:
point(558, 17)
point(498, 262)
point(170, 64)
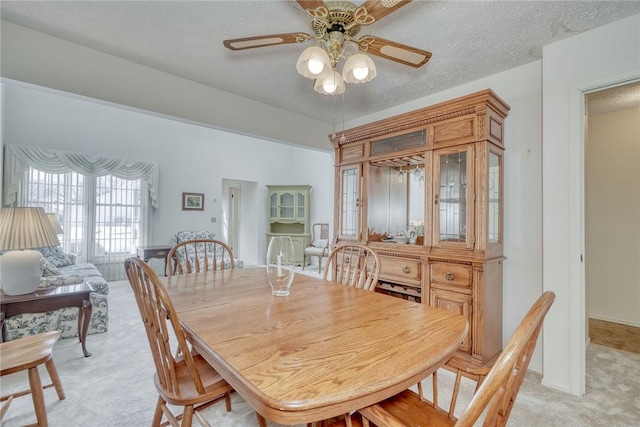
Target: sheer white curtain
point(18, 158)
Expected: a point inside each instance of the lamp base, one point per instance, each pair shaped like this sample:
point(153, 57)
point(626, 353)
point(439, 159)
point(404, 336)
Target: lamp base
point(20, 271)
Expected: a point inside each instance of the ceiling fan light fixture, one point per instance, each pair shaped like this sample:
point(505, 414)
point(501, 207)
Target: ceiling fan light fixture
point(358, 68)
point(330, 85)
point(314, 63)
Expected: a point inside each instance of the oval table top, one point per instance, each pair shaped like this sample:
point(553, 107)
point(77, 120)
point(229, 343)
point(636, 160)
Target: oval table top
point(324, 350)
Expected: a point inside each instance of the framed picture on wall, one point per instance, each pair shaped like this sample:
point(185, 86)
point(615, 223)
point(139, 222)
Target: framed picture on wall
point(192, 201)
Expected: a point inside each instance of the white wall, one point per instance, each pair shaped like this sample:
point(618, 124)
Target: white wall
point(603, 56)
point(34, 57)
point(612, 214)
point(191, 158)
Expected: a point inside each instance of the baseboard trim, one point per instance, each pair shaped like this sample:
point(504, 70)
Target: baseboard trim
point(622, 322)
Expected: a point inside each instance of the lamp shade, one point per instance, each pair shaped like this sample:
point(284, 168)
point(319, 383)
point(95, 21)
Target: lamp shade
point(53, 219)
point(26, 228)
point(358, 68)
point(22, 229)
point(314, 63)
point(330, 85)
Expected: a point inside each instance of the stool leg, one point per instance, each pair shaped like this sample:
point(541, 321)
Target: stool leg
point(38, 397)
point(4, 408)
point(55, 379)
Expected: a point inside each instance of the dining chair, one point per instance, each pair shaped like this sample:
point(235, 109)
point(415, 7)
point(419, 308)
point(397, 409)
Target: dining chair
point(353, 265)
point(183, 378)
point(192, 256)
point(28, 353)
point(497, 392)
point(357, 266)
point(319, 246)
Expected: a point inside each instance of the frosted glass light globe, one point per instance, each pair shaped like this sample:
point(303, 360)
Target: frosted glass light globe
point(358, 68)
point(360, 73)
point(315, 66)
point(329, 85)
point(314, 63)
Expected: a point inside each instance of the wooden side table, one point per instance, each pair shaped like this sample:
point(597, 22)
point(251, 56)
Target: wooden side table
point(160, 252)
point(48, 299)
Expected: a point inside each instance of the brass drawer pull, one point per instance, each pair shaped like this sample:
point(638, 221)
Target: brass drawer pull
point(406, 269)
point(448, 275)
point(162, 252)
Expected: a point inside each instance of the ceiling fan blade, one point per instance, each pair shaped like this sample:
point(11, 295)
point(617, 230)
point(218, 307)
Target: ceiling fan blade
point(379, 9)
point(311, 4)
point(262, 41)
point(394, 51)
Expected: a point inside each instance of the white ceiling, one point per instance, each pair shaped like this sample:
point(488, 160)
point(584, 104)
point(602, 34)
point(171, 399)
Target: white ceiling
point(468, 39)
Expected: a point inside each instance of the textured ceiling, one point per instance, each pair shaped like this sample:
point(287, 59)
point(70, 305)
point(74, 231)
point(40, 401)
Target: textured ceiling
point(468, 39)
point(614, 99)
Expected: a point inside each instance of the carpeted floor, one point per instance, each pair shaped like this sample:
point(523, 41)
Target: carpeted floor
point(114, 387)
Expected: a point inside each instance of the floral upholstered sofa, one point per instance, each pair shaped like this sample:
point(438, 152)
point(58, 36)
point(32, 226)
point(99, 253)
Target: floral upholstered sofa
point(181, 236)
point(59, 269)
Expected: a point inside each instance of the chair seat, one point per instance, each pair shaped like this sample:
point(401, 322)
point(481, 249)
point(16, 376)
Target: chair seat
point(26, 352)
point(188, 395)
point(406, 408)
point(312, 250)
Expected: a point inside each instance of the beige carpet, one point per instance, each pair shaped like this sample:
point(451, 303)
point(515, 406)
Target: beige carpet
point(114, 387)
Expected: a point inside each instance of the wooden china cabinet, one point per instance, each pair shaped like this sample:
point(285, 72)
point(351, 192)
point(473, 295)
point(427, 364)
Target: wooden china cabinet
point(425, 191)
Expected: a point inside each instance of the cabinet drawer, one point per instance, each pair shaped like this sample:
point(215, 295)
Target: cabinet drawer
point(396, 268)
point(451, 274)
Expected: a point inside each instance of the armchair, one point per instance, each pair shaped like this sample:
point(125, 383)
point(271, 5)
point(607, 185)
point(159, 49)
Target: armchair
point(218, 253)
point(319, 246)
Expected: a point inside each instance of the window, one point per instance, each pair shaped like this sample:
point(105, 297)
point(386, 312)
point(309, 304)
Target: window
point(101, 217)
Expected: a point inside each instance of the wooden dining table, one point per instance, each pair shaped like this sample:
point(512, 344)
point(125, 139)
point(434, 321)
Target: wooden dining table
point(324, 350)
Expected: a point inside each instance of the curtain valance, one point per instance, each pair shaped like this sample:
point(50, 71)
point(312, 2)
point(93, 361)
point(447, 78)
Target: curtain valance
point(18, 158)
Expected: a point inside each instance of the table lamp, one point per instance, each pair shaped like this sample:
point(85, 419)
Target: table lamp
point(23, 229)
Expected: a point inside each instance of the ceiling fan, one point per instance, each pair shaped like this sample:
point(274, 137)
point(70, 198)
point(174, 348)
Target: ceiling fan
point(335, 26)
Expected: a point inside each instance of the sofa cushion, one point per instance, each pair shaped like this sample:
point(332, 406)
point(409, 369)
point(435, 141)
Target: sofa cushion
point(55, 256)
point(59, 280)
point(48, 269)
point(90, 274)
point(181, 236)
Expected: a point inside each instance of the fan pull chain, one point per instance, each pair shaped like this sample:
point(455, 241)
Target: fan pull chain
point(343, 139)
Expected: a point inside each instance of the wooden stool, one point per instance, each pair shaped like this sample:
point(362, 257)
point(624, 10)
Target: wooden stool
point(28, 353)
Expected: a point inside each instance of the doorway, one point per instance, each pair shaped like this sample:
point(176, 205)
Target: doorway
point(612, 216)
point(233, 201)
point(240, 218)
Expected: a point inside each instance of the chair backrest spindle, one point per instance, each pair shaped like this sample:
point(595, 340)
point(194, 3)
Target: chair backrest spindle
point(353, 265)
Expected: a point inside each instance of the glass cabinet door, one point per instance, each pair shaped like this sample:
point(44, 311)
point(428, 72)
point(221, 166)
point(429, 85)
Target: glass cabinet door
point(301, 207)
point(495, 198)
point(287, 205)
point(273, 205)
point(349, 221)
point(453, 197)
